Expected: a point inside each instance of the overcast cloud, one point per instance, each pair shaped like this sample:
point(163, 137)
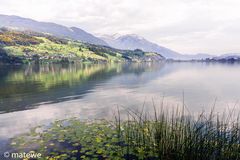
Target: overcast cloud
point(186, 26)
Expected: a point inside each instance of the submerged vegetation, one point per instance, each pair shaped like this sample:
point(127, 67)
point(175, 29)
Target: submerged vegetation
point(31, 46)
point(166, 135)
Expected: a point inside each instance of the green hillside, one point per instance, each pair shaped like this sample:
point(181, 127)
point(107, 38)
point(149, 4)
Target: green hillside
point(31, 46)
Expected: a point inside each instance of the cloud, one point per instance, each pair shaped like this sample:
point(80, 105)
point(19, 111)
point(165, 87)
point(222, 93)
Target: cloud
point(186, 26)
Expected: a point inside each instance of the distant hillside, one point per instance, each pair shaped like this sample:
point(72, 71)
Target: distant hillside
point(230, 57)
point(132, 41)
point(28, 46)
point(199, 56)
point(52, 28)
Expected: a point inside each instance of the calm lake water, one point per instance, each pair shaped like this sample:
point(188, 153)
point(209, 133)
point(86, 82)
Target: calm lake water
point(38, 94)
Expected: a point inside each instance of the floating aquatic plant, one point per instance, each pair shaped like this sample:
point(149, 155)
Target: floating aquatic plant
point(168, 136)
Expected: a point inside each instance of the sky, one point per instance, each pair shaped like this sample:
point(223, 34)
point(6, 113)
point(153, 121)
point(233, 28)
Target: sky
point(186, 26)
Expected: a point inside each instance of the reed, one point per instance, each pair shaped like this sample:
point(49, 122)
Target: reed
point(163, 134)
point(177, 135)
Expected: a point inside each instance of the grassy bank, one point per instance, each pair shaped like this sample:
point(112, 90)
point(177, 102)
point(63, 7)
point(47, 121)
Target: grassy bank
point(165, 135)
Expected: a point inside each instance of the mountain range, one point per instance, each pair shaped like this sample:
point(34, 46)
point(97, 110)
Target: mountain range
point(225, 57)
point(19, 23)
point(18, 47)
point(133, 41)
point(123, 42)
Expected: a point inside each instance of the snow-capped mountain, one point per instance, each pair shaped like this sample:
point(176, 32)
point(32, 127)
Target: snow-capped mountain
point(19, 23)
point(133, 41)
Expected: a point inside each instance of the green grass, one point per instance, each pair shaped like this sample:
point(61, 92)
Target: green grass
point(165, 135)
point(50, 48)
point(29, 45)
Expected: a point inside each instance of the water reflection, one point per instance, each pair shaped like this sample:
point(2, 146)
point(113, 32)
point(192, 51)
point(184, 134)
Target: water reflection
point(28, 86)
point(38, 94)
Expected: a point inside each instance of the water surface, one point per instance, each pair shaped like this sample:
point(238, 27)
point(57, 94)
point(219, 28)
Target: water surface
point(38, 94)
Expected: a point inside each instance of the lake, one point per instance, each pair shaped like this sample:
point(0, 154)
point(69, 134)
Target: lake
point(38, 94)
